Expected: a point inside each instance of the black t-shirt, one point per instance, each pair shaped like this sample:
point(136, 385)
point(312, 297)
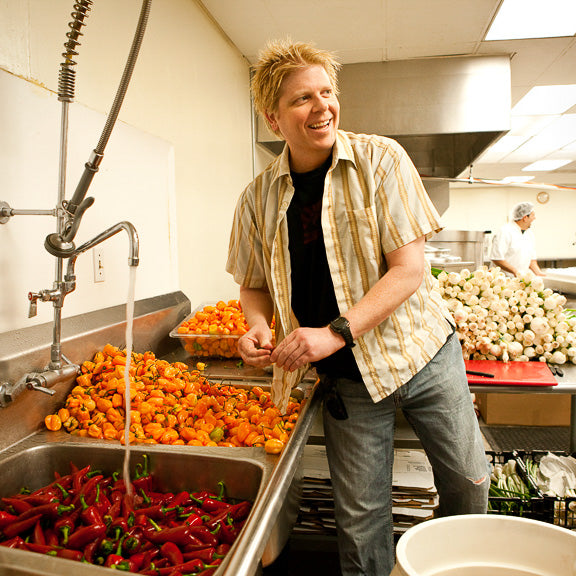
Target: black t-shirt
point(313, 299)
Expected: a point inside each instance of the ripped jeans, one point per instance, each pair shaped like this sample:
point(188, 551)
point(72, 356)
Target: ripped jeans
point(438, 405)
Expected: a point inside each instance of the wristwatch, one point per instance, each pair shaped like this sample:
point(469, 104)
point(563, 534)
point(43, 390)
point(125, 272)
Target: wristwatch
point(341, 326)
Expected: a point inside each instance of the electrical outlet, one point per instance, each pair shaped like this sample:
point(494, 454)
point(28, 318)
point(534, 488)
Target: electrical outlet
point(98, 256)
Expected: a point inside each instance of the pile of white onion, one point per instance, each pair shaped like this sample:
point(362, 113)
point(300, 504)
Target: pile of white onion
point(503, 318)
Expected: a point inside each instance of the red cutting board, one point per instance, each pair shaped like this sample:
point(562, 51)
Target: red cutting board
point(510, 373)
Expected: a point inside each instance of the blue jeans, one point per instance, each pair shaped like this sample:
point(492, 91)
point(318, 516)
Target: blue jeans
point(438, 405)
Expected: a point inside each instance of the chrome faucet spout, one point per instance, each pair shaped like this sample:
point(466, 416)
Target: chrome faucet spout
point(133, 258)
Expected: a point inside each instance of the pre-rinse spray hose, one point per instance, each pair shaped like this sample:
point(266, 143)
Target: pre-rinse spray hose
point(62, 245)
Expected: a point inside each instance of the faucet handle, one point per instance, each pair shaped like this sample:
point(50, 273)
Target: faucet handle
point(33, 297)
point(35, 384)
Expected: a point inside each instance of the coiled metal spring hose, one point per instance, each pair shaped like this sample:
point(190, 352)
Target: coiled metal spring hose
point(67, 76)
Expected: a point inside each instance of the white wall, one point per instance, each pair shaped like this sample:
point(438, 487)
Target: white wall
point(177, 159)
point(477, 207)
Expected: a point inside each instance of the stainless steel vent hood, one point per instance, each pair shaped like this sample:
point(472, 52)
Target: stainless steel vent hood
point(444, 111)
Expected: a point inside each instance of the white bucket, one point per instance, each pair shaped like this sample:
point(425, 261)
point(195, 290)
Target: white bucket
point(486, 545)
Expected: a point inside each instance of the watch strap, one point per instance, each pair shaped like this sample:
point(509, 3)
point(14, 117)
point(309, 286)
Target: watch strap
point(341, 326)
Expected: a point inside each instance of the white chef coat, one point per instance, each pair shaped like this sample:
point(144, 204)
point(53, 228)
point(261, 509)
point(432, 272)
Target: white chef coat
point(516, 247)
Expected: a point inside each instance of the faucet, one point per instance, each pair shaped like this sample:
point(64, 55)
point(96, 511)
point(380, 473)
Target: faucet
point(133, 258)
point(57, 371)
point(69, 213)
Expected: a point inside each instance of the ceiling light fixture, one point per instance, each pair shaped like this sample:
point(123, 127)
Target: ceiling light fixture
point(516, 179)
point(545, 165)
point(546, 100)
point(517, 19)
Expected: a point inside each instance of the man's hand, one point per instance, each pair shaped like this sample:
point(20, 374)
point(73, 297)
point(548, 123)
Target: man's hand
point(256, 346)
point(305, 345)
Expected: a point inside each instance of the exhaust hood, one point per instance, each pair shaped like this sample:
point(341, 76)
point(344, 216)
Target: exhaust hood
point(444, 111)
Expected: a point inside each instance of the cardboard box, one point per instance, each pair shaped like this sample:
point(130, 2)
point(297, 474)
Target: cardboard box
point(524, 409)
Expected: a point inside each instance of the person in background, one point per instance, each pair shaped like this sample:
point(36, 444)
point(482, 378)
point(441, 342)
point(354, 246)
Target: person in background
point(329, 239)
point(514, 246)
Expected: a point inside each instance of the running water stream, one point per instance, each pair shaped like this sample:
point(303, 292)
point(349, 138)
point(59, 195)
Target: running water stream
point(129, 344)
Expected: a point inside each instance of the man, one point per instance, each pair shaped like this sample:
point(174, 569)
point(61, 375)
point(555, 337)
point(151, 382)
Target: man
point(330, 240)
point(514, 246)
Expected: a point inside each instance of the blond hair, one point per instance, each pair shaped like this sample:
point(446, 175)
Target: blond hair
point(277, 60)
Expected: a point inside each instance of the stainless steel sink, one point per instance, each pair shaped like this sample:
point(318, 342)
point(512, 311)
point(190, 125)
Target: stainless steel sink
point(272, 483)
point(34, 466)
point(29, 454)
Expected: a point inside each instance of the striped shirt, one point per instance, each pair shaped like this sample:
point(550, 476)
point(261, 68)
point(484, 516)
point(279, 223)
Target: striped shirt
point(373, 203)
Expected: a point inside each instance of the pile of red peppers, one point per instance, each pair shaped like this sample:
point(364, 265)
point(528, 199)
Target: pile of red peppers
point(91, 517)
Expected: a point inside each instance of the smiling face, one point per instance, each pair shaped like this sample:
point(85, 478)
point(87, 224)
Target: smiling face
point(307, 116)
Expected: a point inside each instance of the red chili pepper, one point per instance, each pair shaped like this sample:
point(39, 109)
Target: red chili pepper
point(16, 542)
point(180, 535)
point(141, 520)
point(141, 560)
point(192, 519)
point(39, 548)
point(70, 554)
point(170, 551)
point(102, 504)
point(88, 490)
point(106, 547)
point(82, 536)
point(20, 526)
point(202, 495)
point(51, 537)
point(207, 572)
point(212, 505)
point(90, 551)
point(156, 512)
point(203, 535)
point(115, 509)
point(89, 514)
point(52, 510)
point(65, 526)
point(6, 518)
point(127, 507)
point(217, 519)
point(78, 478)
point(241, 510)
point(229, 532)
point(204, 554)
point(180, 499)
point(156, 498)
point(190, 566)
point(64, 481)
point(119, 562)
point(38, 534)
point(40, 499)
point(17, 505)
point(222, 549)
point(135, 541)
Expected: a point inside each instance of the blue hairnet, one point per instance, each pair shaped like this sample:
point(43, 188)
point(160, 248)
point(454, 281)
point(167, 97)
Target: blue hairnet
point(521, 210)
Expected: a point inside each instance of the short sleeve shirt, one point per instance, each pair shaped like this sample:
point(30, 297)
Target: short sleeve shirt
point(374, 202)
point(516, 247)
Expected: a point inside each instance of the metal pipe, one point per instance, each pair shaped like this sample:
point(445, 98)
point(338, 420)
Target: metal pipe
point(56, 347)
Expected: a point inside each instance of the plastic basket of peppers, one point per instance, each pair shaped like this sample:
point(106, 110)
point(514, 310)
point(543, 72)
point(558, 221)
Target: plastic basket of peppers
point(91, 517)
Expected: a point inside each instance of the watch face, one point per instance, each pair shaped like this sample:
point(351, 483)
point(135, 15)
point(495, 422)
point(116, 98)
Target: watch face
point(340, 323)
point(341, 326)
